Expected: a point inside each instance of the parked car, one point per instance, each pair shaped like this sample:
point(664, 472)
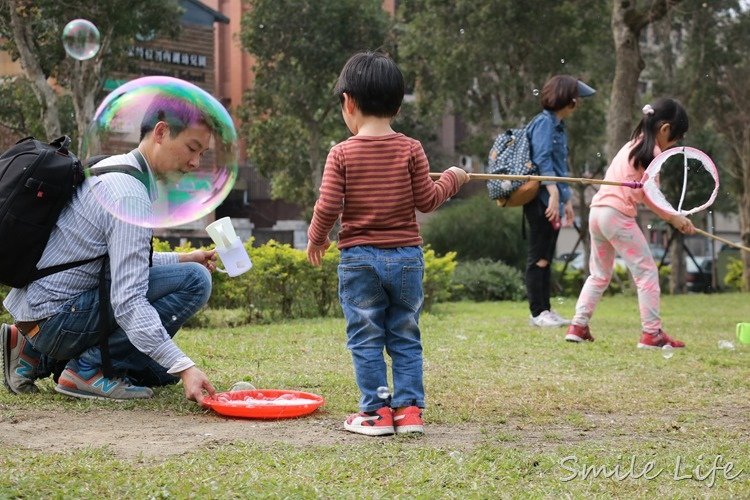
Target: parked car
point(698, 278)
point(575, 260)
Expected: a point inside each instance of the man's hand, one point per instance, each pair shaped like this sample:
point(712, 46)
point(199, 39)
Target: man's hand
point(204, 257)
point(315, 253)
point(196, 384)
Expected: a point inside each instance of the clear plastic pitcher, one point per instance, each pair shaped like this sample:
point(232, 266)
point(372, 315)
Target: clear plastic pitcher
point(229, 247)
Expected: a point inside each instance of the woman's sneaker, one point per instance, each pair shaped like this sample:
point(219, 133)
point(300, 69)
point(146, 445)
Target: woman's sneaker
point(545, 320)
point(658, 340)
point(578, 333)
point(560, 319)
point(92, 384)
point(408, 419)
point(371, 423)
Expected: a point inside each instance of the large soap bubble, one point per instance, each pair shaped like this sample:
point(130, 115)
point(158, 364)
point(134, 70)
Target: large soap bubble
point(190, 147)
point(81, 39)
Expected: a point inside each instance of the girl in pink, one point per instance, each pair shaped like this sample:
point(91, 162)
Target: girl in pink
point(614, 230)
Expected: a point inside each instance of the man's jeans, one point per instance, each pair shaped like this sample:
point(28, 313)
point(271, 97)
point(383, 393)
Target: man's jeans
point(176, 291)
point(380, 290)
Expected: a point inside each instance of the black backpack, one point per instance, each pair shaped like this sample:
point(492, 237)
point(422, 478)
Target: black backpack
point(37, 181)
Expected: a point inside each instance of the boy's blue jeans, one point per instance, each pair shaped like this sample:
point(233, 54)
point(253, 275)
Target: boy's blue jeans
point(176, 291)
point(380, 290)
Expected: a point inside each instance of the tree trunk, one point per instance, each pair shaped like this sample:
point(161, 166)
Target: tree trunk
point(744, 209)
point(627, 23)
point(45, 94)
point(317, 166)
point(628, 67)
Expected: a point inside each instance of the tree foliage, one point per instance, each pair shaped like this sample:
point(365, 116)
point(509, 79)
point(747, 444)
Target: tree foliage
point(483, 60)
point(291, 117)
point(31, 31)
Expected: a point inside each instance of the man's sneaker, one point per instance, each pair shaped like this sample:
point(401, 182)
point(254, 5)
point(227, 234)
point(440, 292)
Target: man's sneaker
point(559, 318)
point(20, 361)
point(408, 419)
point(371, 423)
point(544, 320)
point(96, 386)
point(658, 340)
point(578, 333)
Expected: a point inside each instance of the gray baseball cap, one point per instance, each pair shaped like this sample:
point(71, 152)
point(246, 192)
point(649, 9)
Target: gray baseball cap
point(584, 90)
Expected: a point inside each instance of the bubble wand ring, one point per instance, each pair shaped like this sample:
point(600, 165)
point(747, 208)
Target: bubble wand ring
point(650, 180)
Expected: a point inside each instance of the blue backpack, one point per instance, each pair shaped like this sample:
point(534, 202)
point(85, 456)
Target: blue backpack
point(511, 155)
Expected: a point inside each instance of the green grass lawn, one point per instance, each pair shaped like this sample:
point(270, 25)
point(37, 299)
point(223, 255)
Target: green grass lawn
point(512, 411)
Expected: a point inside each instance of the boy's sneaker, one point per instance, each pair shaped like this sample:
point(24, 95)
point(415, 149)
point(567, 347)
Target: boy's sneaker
point(658, 340)
point(578, 333)
point(371, 423)
point(545, 320)
point(20, 361)
point(408, 419)
point(559, 318)
point(94, 385)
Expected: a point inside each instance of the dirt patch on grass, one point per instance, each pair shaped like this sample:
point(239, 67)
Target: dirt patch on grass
point(135, 433)
point(139, 433)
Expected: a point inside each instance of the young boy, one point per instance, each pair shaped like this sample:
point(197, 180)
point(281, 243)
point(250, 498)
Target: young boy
point(375, 180)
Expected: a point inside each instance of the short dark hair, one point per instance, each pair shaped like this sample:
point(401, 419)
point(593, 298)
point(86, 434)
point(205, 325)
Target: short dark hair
point(374, 82)
point(558, 92)
point(175, 112)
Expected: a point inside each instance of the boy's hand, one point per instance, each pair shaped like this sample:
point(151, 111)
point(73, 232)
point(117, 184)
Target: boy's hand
point(315, 253)
point(463, 177)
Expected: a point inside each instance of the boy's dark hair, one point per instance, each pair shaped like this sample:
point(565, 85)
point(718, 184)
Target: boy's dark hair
point(664, 110)
point(176, 112)
point(374, 82)
point(558, 92)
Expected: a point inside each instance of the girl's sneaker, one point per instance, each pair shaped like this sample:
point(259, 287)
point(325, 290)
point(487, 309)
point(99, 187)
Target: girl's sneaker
point(658, 340)
point(578, 333)
point(371, 423)
point(408, 419)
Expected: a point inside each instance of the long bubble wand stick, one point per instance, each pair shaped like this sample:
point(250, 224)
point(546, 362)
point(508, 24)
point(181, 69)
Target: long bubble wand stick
point(723, 240)
point(567, 180)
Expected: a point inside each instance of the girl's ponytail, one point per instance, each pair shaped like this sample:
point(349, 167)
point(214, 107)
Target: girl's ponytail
point(663, 111)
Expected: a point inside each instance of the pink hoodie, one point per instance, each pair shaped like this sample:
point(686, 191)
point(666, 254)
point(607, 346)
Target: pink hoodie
point(621, 198)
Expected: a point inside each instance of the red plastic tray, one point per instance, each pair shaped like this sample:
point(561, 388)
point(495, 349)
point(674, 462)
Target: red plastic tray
point(268, 409)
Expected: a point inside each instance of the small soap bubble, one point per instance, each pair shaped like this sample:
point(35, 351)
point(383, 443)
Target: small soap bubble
point(598, 155)
point(667, 351)
point(81, 39)
point(174, 318)
point(462, 31)
point(242, 386)
point(383, 392)
point(726, 344)
point(562, 61)
point(192, 171)
point(535, 91)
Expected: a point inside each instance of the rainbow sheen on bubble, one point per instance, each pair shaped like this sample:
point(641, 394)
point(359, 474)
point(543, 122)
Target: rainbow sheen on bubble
point(182, 186)
point(81, 39)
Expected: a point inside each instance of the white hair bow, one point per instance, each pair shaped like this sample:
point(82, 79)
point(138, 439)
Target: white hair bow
point(648, 110)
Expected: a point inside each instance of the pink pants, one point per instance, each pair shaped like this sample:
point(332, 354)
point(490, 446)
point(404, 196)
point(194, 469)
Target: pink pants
point(613, 232)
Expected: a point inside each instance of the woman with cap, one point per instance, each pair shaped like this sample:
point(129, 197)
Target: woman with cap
point(552, 206)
